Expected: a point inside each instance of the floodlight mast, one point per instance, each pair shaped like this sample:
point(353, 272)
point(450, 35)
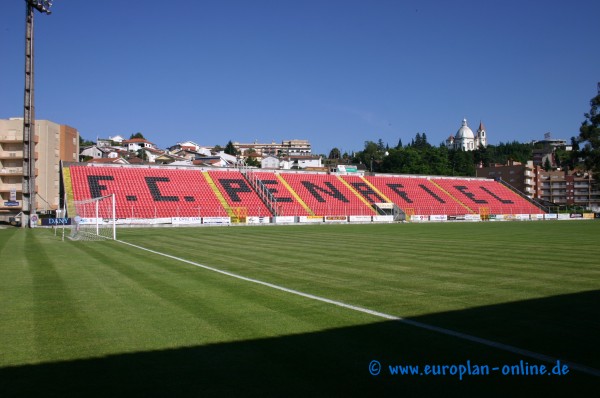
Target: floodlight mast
point(29, 189)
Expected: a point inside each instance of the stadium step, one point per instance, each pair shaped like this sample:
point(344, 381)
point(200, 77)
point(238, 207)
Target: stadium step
point(219, 195)
point(69, 191)
point(359, 196)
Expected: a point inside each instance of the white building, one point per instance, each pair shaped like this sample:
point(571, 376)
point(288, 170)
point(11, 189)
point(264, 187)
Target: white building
point(269, 162)
point(466, 140)
point(135, 144)
point(291, 162)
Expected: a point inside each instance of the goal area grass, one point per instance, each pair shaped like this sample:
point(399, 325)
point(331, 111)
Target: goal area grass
point(106, 318)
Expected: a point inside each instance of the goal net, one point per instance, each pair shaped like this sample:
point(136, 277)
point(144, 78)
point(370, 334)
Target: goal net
point(94, 219)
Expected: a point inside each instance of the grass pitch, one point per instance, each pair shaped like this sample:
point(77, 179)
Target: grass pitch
point(103, 318)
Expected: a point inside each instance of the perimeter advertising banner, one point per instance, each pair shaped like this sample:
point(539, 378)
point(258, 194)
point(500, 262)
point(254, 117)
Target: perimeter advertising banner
point(359, 218)
point(438, 217)
point(52, 222)
point(186, 220)
point(285, 219)
point(336, 219)
point(147, 221)
point(216, 220)
point(90, 221)
point(310, 219)
point(383, 218)
point(258, 220)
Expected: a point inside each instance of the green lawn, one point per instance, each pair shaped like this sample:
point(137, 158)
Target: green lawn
point(103, 318)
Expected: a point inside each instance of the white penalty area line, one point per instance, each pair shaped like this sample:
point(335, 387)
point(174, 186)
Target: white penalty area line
point(504, 347)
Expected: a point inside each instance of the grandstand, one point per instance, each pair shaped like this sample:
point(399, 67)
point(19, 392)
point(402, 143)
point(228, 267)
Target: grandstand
point(162, 192)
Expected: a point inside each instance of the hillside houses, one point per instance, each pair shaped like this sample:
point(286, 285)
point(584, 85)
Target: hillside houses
point(290, 154)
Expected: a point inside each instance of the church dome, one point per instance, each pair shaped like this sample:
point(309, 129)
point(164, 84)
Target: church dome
point(464, 132)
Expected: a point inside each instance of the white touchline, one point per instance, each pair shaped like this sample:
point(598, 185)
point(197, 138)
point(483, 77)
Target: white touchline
point(448, 332)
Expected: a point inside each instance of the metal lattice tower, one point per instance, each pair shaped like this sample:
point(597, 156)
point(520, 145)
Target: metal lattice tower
point(29, 187)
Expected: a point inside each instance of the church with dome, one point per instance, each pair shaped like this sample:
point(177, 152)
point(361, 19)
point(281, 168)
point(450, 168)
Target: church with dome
point(465, 139)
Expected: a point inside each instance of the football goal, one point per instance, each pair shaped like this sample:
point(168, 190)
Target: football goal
point(94, 219)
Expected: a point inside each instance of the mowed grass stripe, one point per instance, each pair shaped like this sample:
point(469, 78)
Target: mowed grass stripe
point(16, 292)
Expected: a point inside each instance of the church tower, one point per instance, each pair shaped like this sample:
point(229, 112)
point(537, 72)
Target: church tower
point(481, 139)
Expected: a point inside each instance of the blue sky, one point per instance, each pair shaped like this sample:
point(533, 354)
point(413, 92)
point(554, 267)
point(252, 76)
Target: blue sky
point(337, 73)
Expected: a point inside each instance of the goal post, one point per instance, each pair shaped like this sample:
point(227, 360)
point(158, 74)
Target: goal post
point(94, 219)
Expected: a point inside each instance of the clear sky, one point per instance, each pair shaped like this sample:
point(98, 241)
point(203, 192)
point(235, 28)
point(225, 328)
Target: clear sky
point(335, 72)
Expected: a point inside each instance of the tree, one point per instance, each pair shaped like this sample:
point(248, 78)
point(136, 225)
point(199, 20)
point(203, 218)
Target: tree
point(418, 141)
point(230, 149)
point(250, 158)
point(335, 154)
point(589, 136)
point(137, 135)
point(141, 153)
point(547, 165)
point(83, 142)
point(370, 156)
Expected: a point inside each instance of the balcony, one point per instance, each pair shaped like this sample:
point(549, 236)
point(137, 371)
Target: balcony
point(11, 155)
point(9, 187)
point(11, 138)
point(12, 171)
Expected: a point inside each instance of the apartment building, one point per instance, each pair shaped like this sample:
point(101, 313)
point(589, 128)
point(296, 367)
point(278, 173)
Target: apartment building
point(286, 147)
point(576, 188)
point(53, 142)
point(563, 188)
point(519, 175)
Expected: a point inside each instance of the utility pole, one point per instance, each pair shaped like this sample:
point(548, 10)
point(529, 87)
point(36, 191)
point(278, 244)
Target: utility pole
point(29, 140)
